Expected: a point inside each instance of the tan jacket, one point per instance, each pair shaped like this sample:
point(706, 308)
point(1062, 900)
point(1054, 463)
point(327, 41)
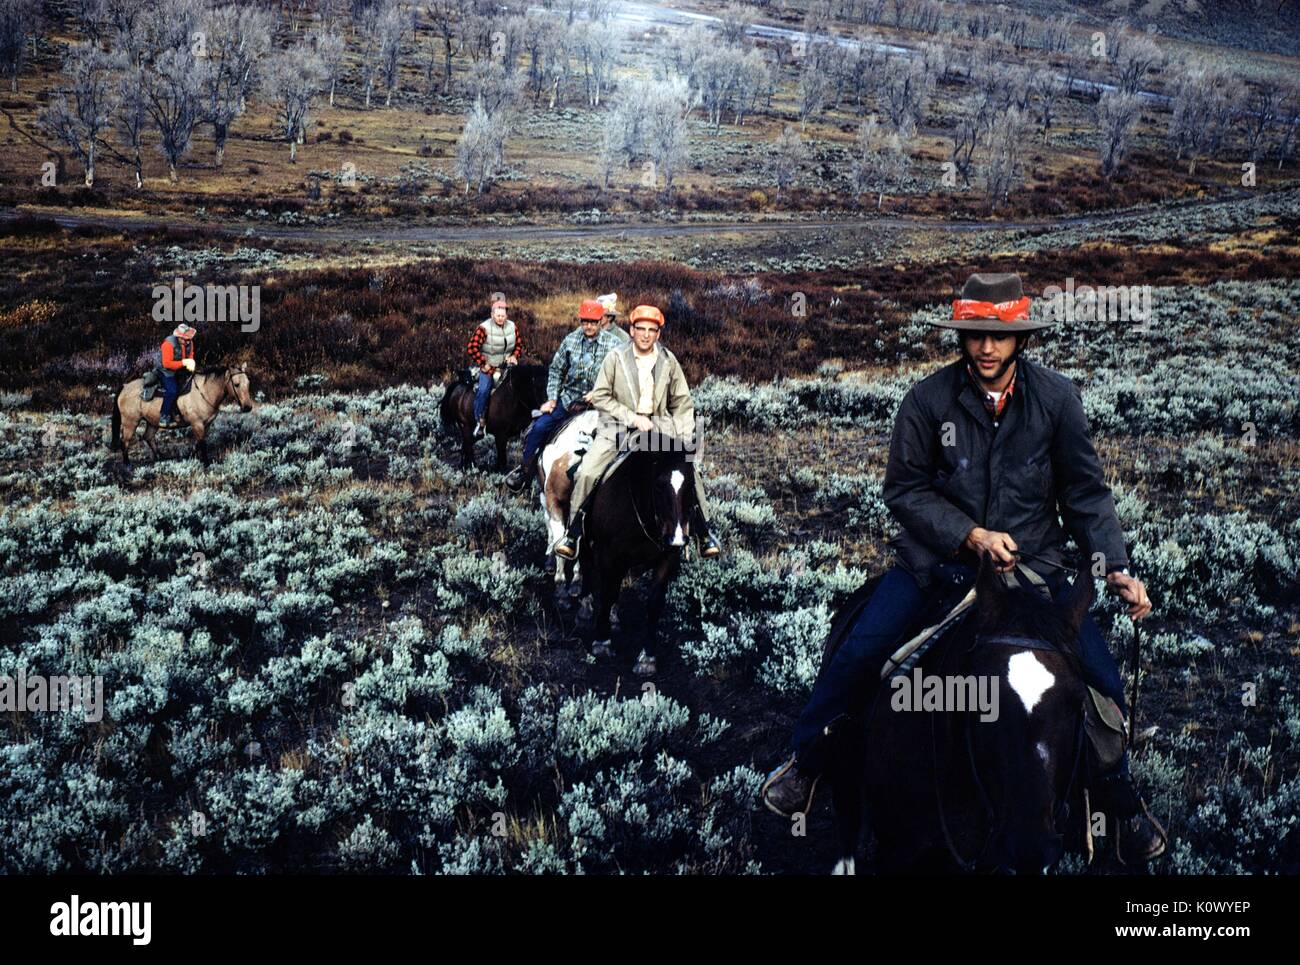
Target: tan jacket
point(617, 388)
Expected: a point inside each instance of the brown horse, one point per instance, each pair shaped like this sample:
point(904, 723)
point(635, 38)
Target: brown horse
point(947, 790)
point(521, 390)
point(198, 407)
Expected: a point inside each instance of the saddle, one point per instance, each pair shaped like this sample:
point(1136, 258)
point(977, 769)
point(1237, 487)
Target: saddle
point(153, 384)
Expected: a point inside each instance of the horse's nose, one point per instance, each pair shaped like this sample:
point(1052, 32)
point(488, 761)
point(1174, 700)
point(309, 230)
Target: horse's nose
point(678, 538)
point(247, 408)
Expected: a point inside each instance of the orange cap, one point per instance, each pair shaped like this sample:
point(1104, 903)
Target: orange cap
point(591, 310)
point(646, 313)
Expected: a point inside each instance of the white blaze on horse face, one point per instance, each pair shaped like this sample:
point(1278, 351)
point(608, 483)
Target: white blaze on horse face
point(1028, 678)
point(676, 480)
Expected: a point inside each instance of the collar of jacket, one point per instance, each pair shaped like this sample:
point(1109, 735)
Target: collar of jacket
point(971, 397)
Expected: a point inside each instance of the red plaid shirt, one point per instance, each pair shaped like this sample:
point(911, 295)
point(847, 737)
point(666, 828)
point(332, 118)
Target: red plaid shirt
point(994, 411)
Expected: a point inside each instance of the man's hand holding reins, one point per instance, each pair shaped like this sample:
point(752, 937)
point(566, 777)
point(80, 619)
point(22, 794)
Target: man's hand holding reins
point(547, 406)
point(1000, 547)
point(1132, 591)
point(642, 423)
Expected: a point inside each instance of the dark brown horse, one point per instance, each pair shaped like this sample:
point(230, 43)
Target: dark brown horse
point(521, 390)
point(638, 518)
point(947, 791)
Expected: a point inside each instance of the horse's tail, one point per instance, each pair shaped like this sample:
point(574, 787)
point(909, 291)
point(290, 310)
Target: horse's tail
point(115, 443)
point(448, 407)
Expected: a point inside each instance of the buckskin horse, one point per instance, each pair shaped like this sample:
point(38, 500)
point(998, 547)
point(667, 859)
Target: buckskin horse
point(944, 791)
point(209, 390)
point(521, 390)
point(639, 517)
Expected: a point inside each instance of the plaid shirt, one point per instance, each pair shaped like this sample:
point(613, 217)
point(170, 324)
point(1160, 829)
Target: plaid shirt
point(475, 346)
point(994, 411)
point(577, 363)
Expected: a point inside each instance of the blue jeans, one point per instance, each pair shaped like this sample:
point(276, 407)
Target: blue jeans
point(540, 427)
point(481, 395)
point(170, 391)
point(854, 671)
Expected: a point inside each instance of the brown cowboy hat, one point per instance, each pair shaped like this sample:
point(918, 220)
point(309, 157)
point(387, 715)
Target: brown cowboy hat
point(992, 303)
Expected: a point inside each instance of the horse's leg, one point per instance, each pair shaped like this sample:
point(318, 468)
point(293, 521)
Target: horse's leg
point(149, 430)
point(848, 799)
point(609, 580)
point(466, 448)
point(647, 663)
point(129, 422)
point(201, 443)
point(502, 440)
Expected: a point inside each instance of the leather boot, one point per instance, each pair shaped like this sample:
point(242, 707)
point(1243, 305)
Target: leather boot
point(567, 548)
point(789, 790)
point(708, 543)
point(517, 479)
point(1139, 836)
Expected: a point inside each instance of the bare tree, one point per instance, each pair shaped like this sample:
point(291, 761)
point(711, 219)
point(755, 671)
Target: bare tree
point(1259, 114)
point(292, 78)
point(879, 160)
point(174, 25)
point(1197, 111)
point(966, 136)
point(788, 152)
point(236, 38)
point(1289, 117)
point(667, 106)
point(1048, 86)
point(19, 21)
point(480, 152)
point(1002, 170)
point(1138, 55)
point(734, 23)
point(390, 28)
point(330, 48)
point(905, 92)
point(172, 86)
point(133, 112)
point(497, 89)
point(79, 122)
point(752, 81)
point(445, 14)
point(813, 86)
point(1117, 112)
point(129, 29)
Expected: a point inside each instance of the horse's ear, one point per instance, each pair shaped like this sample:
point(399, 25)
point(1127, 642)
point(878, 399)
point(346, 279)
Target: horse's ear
point(1081, 598)
point(990, 594)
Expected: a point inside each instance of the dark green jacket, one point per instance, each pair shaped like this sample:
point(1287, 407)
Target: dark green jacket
point(1037, 465)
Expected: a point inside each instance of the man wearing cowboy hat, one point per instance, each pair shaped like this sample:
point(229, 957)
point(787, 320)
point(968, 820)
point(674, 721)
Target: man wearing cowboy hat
point(985, 454)
point(495, 344)
point(573, 372)
point(177, 357)
point(610, 323)
point(641, 386)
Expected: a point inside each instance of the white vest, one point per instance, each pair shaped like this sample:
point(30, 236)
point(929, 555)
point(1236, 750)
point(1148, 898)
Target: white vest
point(499, 343)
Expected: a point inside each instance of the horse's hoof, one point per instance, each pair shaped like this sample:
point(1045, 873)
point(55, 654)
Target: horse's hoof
point(564, 602)
point(602, 648)
point(644, 666)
